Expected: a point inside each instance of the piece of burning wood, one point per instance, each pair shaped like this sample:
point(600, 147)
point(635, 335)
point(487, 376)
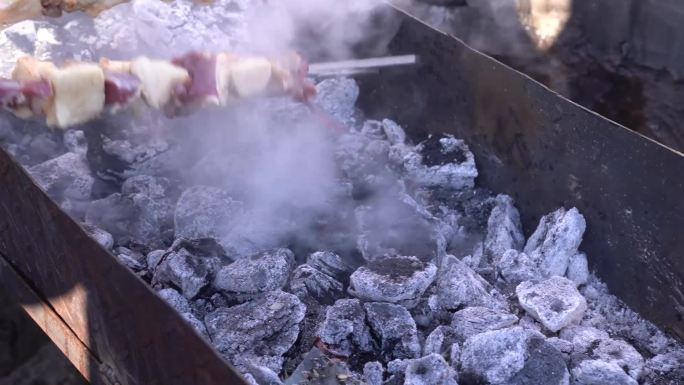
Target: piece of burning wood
point(78, 92)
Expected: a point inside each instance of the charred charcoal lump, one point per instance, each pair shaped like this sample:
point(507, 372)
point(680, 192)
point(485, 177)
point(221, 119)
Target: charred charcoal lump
point(504, 231)
point(555, 241)
point(555, 303)
point(442, 160)
point(309, 282)
point(458, 285)
point(344, 330)
point(259, 273)
point(261, 330)
point(475, 320)
point(330, 263)
point(512, 356)
point(205, 212)
point(338, 98)
point(429, 370)
point(440, 341)
point(181, 269)
point(398, 279)
point(395, 329)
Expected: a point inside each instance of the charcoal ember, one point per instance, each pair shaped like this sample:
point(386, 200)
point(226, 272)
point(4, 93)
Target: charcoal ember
point(563, 346)
point(8, 132)
point(373, 373)
point(255, 274)
point(263, 375)
point(665, 368)
point(591, 343)
point(151, 186)
point(620, 353)
point(153, 258)
point(395, 329)
point(555, 241)
point(75, 141)
point(361, 157)
point(398, 365)
point(444, 161)
point(132, 149)
point(512, 356)
point(196, 324)
point(309, 282)
point(597, 372)
point(183, 270)
point(266, 327)
point(338, 97)
point(203, 247)
point(330, 263)
point(397, 279)
point(373, 129)
point(504, 231)
point(494, 357)
point(473, 207)
point(475, 320)
point(218, 300)
point(394, 133)
point(175, 299)
point(308, 333)
point(458, 286)
point(530, 323)
point(555, 302)
point(102, 237)
point(516, 267)
point(134, 259)
point(394, 225)
point(205, 212)
point(440, 341)
point(244, 361)
point(426, 315)
point(57, 175)
point(583, 337)
point(129, 218)
point(165, 162)
point(578, 269)
point(544, 364)
point(344, 330)
point(455, 355)
point(429, 370)
point(318, 369)
point(43, 146)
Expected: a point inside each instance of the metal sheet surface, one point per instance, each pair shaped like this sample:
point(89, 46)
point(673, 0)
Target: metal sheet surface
point(548, 152)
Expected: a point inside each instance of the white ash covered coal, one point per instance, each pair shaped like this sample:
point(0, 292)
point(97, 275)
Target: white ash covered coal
point(309, 256)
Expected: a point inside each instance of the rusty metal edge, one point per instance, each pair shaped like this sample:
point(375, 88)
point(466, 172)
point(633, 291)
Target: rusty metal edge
point(406, 13)
point(134, 334)
point(42, 313)
point(548, 152)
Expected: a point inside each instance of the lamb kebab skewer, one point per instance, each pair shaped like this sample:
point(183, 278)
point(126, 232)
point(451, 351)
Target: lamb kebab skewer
point(78, 92)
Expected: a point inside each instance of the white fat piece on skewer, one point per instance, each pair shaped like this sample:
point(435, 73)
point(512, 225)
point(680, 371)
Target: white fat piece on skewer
point(78, 91)
point(79, 94)
point(158, 78)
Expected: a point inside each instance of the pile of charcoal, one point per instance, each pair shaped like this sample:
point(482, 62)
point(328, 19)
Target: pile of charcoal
point(409, 274)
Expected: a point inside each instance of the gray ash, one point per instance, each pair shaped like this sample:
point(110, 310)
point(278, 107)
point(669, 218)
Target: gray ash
point(302, 254)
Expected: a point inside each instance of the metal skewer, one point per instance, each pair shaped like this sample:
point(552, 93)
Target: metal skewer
point(360, 66)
